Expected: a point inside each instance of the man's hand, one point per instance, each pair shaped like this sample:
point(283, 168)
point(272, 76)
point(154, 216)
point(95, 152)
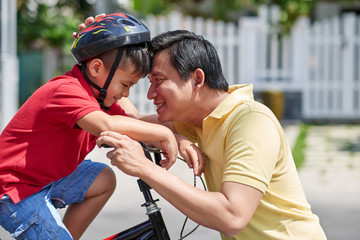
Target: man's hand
point(87, 22)
point(169, 151)
point(191, 154)
point(127, 155)
point(127, 150)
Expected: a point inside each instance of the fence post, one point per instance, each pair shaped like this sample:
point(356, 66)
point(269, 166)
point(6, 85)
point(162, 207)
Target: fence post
point(348, 63)
point(299, 39)
point(9, 63)
point(299, 59)
point(249, 27)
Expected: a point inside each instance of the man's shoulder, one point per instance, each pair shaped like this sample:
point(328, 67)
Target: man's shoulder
point(250, 110)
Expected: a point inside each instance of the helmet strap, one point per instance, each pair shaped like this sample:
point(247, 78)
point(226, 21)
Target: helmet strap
point(83, 69)
point(103, 90)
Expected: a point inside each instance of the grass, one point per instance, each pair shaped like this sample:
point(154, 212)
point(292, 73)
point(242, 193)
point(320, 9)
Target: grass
point(300, 145)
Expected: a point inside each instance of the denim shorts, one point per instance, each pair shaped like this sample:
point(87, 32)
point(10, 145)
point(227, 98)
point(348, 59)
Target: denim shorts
point(36, 217)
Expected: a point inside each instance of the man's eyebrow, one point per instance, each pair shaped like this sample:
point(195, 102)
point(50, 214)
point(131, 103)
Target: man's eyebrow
point(157, 73)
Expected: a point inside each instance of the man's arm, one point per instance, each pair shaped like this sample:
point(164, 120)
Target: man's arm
point(128, 107)
point(187, 149)
point(227, 211)
point(153, 118)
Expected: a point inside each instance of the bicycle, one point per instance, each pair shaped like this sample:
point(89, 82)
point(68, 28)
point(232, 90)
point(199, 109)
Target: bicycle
point(154, 227)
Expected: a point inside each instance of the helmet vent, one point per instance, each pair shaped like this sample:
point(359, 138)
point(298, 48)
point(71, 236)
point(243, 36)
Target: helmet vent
point(127, 23)
point(133, 19)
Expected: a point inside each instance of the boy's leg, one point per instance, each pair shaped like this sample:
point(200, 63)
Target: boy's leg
point(78, 216)
point(86, 191)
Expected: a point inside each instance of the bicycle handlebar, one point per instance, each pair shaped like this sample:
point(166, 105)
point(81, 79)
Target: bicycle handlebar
point(157, 155)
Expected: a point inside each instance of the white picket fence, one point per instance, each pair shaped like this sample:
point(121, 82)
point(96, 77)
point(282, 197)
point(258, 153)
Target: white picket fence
point(332, 86)
point(319, 60)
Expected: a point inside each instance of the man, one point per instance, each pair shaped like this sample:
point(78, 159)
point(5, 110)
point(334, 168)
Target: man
point(254, 189)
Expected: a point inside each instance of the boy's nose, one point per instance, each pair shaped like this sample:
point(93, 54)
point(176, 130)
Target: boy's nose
point(125, 93)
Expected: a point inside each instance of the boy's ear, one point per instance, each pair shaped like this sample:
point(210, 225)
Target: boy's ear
point(199, 78)
point(95, 67)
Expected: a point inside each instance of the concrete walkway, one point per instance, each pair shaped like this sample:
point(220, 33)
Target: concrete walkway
point(330, 177)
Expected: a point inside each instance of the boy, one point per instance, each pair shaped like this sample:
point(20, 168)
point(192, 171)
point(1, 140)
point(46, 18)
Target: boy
point(44, 145)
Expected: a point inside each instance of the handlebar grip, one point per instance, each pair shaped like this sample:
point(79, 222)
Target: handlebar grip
point(106, 146)
point(157, 155)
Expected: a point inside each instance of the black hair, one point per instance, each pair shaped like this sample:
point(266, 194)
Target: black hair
point(137, 55)
point(188, 52)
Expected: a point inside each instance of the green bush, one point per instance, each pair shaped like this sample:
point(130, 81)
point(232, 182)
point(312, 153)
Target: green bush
point(300, 145)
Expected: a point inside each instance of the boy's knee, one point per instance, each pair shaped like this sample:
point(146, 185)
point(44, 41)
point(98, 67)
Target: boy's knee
point(104, 183)
point(109, 177)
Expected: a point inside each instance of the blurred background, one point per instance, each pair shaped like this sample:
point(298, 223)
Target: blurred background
point(302, 56)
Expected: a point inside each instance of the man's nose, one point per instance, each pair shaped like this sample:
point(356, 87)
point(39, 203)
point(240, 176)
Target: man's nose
point(151, 92)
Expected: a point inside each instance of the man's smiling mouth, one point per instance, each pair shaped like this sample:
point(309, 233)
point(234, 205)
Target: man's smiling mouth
point(159, 105)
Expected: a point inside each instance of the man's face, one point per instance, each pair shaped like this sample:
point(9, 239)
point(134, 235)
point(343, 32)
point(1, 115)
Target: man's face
point(171, 94)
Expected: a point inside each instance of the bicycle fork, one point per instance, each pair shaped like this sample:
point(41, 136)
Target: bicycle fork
point(153, 212)
point(152, 229)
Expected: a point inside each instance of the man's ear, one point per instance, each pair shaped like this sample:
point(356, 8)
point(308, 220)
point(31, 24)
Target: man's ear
point(199, 78)
point(95, 67)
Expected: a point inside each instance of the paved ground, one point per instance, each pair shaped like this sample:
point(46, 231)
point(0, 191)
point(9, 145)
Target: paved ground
point(331, 179)
point(330, 176)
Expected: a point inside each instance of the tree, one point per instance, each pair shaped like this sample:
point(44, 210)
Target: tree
point(229, 10)
point(43, 24)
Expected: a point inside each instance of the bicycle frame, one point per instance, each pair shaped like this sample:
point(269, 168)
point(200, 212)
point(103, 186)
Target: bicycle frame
point(154, 228)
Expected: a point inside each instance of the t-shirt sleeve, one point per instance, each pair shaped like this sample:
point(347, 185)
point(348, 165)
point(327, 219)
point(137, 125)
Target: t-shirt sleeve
point(252, 149)
point(69, 102)
point(115, 109)
point(186, 129)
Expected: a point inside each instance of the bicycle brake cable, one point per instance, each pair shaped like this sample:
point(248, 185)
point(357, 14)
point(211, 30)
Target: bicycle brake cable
point(155, 150)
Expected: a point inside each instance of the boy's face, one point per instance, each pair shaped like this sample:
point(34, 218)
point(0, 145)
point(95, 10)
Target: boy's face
point(120, 85)
point(172, 95)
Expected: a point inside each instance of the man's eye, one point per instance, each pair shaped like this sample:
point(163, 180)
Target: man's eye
point(156, 80)
point(125, 85)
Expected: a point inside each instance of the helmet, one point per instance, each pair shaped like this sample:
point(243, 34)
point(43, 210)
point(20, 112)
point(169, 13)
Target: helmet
point(106, 33)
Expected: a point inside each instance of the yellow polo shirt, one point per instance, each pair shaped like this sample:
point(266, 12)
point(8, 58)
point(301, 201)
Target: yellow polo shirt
point(243, 142)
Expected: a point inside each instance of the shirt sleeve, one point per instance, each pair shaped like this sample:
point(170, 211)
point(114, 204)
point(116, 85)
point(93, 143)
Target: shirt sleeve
point(186, 129)
point(115, 109)
point(252, 148)
point(69, 102)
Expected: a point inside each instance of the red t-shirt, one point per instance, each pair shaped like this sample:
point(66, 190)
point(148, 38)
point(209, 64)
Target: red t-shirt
point(42, 142)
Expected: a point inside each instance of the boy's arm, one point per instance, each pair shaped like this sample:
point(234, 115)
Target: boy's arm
point(98, 121)
point(153, 118)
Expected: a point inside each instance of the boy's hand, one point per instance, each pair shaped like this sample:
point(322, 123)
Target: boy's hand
point(87, 21)
point(191, 154)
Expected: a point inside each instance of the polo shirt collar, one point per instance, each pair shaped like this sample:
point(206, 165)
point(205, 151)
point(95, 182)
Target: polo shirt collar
point(238, 94)
point(77, 73)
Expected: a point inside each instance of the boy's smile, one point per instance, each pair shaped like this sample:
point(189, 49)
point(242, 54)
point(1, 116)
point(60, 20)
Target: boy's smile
point(120, 85)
